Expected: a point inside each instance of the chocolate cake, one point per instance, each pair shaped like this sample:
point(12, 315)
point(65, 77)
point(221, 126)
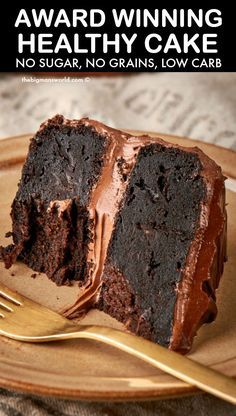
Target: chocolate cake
point(138, 223)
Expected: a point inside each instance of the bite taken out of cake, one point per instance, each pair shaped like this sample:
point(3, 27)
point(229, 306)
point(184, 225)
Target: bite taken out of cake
point(138, 223)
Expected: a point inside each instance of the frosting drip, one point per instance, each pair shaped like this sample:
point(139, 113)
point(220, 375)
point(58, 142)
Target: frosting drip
point(204, 266)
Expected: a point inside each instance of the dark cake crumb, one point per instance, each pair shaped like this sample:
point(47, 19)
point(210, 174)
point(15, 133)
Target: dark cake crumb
point(33, 275)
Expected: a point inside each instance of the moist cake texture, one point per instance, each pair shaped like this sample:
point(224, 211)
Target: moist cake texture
point(49, 215)
point(138, 223)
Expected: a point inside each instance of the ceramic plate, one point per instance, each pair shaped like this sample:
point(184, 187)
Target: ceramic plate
point(84, 369)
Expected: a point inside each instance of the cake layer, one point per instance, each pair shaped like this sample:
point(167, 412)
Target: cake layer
point(151, 240)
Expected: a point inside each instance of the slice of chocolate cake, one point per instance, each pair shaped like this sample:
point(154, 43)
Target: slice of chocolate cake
point(138, 223)
point(49, 213)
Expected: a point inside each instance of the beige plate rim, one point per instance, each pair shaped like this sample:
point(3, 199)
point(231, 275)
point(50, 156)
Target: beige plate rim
point(169, 390)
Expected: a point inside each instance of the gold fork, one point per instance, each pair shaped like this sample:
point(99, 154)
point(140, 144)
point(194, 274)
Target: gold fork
point(24, 320)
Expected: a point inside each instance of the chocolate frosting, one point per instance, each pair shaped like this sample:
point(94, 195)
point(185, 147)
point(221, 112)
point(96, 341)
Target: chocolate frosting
point(103, 206)
point(204, 265)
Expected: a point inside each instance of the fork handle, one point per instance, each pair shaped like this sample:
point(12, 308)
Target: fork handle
point(171, 362)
